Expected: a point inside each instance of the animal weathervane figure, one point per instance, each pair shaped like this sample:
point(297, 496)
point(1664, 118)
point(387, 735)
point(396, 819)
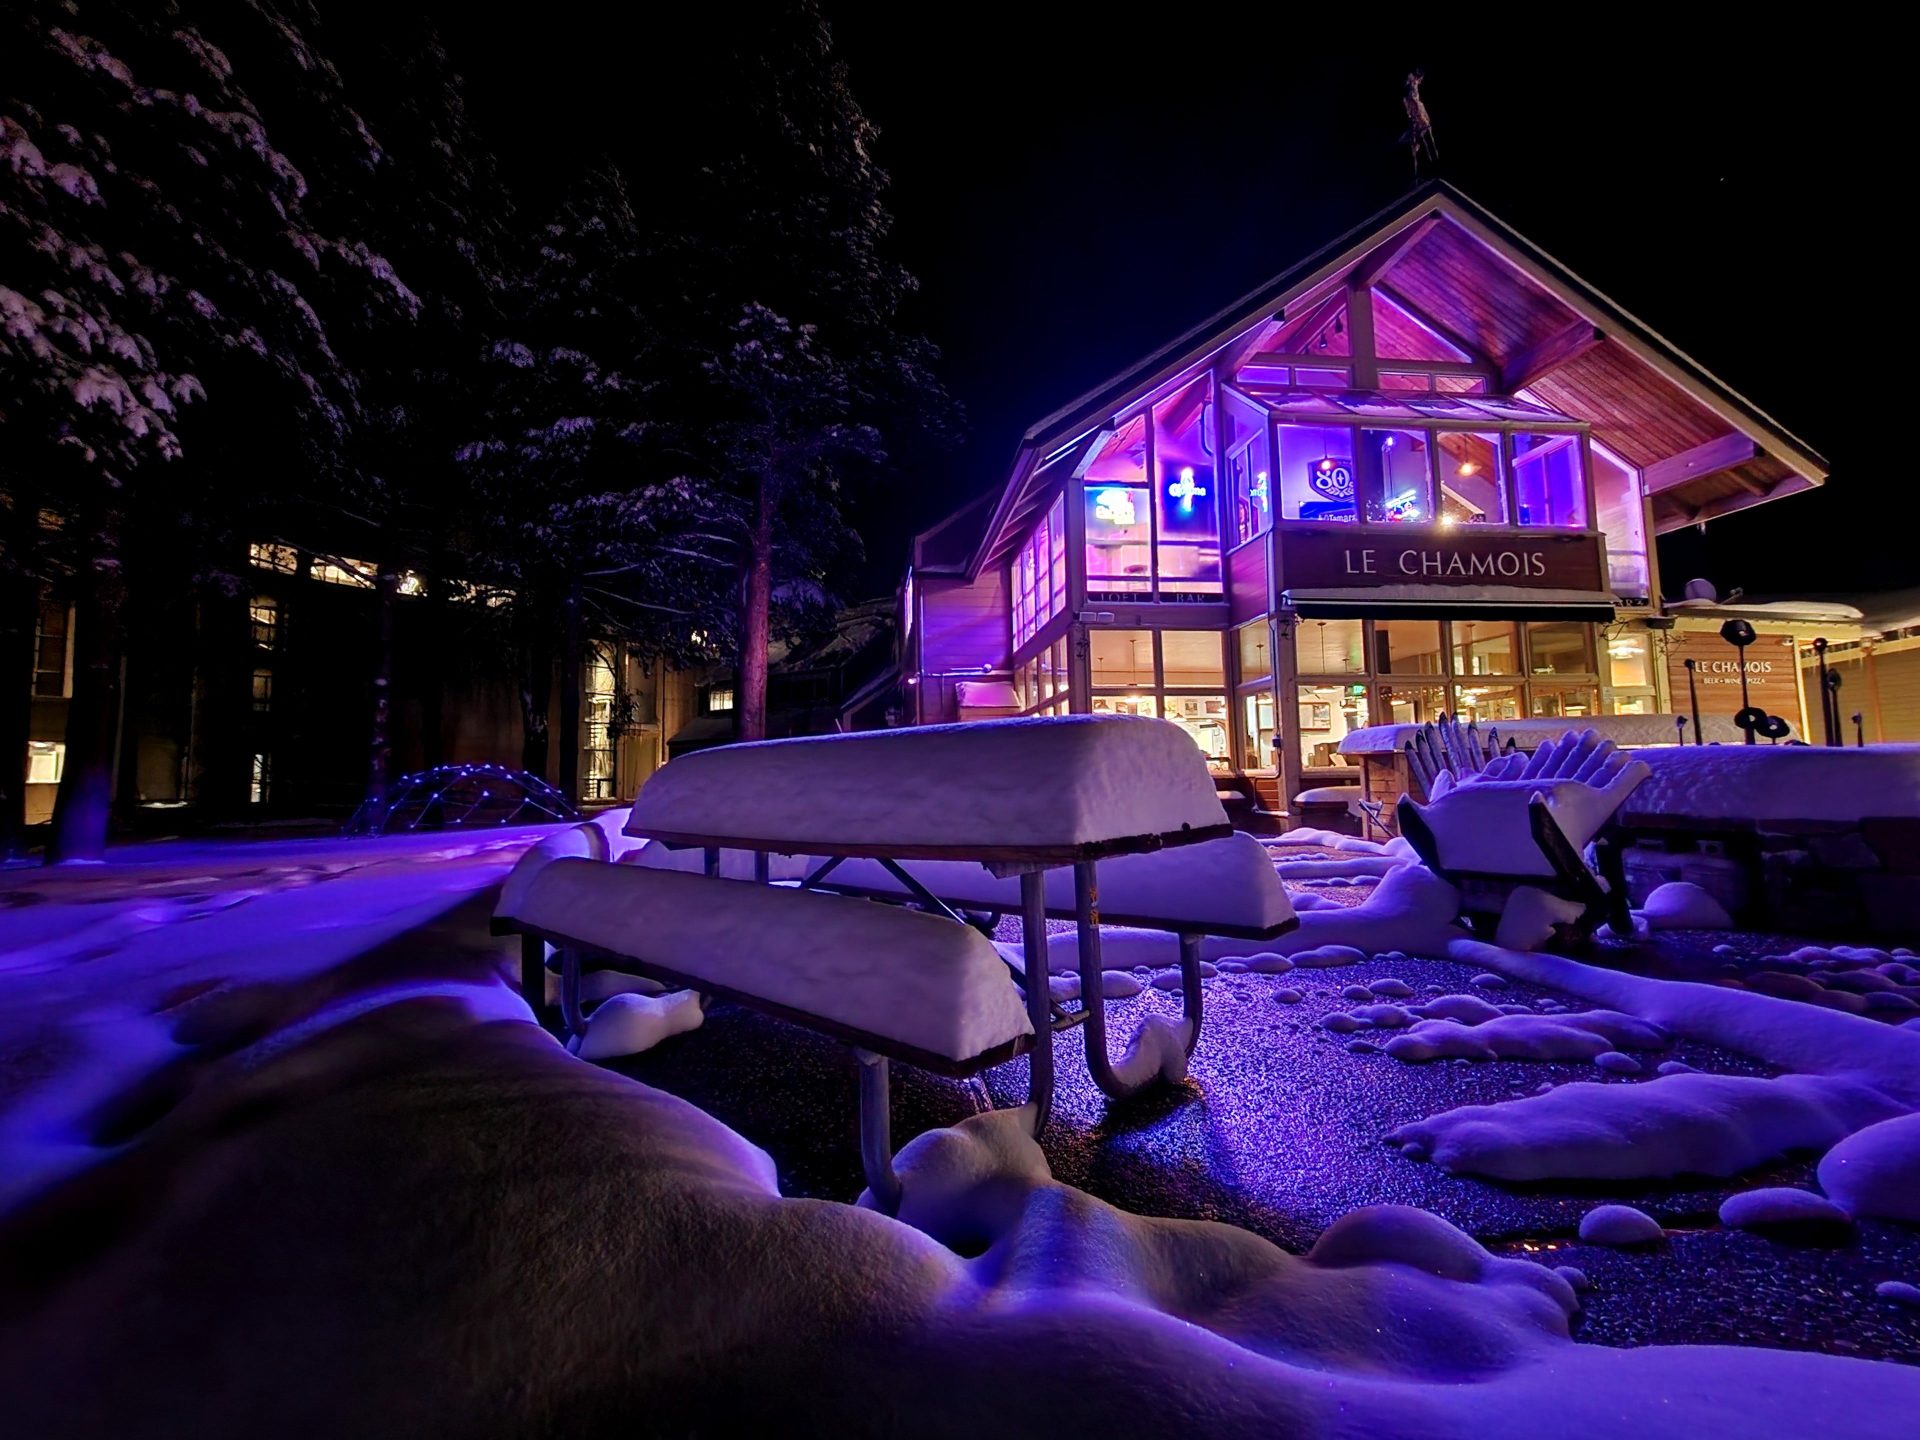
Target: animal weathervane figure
point(1419, 137)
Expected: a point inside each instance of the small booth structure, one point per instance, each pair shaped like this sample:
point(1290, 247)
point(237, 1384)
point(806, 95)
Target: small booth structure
point(1419, 473)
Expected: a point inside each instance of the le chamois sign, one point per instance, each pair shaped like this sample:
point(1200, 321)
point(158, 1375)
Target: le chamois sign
point(1446, 555)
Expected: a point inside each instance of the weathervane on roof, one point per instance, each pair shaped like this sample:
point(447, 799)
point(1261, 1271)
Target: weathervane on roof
point(1419, 137)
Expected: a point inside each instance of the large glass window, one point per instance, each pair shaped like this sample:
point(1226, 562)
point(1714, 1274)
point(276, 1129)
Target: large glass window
point(1258, 752)
point(1629, 659)
point(1119, 550)
point(1256, 661)
point(1616, 494)
point(1191, 658)
point(1563, 701)
point(1396, 487)
point(1249, 467)
point(1121, 658)
point(1487, 703)
point(1204, 717)
point(1407, 647)
point(1316, 472)
point(1187, 492)
point(1411, 704)
point(1329, 647)
point(1471, 492)
point(1040, 575)
point(1548, 487)
point(50, 648)
point(1558, 647)
point(1326, 712)
point(1485, 647)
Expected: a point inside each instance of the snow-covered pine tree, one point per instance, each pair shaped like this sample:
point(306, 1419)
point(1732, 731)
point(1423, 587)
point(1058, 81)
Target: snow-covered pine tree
point(793, 313)
point(158, 250)
point(588, 524)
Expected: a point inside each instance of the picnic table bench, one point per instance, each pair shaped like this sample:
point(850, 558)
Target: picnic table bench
point(981, 815)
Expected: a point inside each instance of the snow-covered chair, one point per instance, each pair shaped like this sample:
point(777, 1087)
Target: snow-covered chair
point(1527, 820)
point(891, 983)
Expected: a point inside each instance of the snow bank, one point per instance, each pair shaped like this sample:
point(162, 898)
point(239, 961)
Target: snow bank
point(377, 1127)
point(630, 1024)
point(1682, 905)
point(1620, 1225)
point(1875, 1174)
point(1583, 1036)
point(1693, 1124)
point(1779, 1205)
point(1040, 783)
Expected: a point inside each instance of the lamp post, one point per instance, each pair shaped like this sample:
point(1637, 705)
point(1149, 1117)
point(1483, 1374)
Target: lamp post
point(1739, 634)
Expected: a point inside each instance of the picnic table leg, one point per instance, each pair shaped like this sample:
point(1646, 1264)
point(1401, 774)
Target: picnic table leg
point(533, 975)
point(571, 1016)
point(710, 861)
point(876, 1139)
point(1086, 911)
point(1033, 934)
point(762, 870)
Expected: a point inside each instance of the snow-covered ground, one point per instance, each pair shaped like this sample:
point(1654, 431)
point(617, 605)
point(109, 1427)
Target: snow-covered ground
point(283, 1154)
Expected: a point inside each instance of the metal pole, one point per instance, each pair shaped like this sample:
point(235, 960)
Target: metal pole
point(1033, 937)
point(876, 1124)
point(1693, 699)
point(1829, 721)
point(571, 1015)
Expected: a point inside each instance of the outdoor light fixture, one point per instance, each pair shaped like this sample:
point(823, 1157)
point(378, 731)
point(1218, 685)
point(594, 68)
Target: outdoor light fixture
point(1467, 467)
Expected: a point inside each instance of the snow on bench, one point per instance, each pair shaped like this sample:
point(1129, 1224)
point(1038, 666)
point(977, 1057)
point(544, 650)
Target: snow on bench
point(1218, 887)
point(891, 983)
point(890, 979)
point(1047, 788)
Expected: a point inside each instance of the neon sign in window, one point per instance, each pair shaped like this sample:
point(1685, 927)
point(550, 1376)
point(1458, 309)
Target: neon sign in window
point(1187, 509)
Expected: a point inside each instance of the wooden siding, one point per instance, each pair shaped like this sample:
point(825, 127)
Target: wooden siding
point(1247, 581)
point(1896, 677)
point(962, 627)
point(1635, 411)
point(1473, 296)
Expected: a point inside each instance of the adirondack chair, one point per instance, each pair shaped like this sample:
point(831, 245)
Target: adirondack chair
point(1497, 819)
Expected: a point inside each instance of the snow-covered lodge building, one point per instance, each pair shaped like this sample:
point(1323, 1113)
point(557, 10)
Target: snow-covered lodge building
point(1421, 471)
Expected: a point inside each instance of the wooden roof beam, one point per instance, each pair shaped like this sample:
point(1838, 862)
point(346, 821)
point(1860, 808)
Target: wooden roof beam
point(1458, 342)
point(1720, 453)
point(1384, 257)
point(1549, 355)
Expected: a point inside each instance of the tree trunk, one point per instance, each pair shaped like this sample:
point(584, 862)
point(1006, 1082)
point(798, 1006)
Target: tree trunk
point(380, 731)
point(756, 600)
point(19, 617)
point(81, 810)
point(570, 657)
point(536, 693)
point(433, 680)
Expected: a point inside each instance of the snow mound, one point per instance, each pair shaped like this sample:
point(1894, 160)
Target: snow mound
point(1875, 1173)
point(1114, 985)
point(1620, 1225)
point(1674, 1125)
point(1898, 1291)
point(1445, 1032)
point(629, 1024)
point(1683, 905)
point(1614, 1062)
point(1779, 1205)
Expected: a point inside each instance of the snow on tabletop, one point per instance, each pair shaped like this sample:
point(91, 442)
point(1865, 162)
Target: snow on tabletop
point(1227, 883)
point(1630, 732)
point(1779, 782)
point(917, 979)
point(1045, 783)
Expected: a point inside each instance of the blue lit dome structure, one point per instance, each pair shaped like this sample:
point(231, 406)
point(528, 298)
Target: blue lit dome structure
point(462, 797)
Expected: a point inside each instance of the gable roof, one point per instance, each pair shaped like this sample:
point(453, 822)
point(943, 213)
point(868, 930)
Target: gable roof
point(1703, 449)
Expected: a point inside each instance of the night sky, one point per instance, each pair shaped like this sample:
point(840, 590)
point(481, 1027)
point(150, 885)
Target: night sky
point(1074, 193)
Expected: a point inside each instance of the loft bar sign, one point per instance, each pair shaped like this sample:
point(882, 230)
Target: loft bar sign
point(1324, 559)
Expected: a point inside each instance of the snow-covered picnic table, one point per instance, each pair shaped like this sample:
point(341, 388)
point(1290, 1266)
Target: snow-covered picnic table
point(999, 801)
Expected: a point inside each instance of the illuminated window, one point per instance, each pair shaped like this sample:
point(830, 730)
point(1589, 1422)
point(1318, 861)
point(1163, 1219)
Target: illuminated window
point(719, 701)
point(1316, 472)
point(263, 690)
point(1411, 704)
point(1616, 495)
point(1119, 557)
point(1256, 661)
point(1192, 658)
point(1249, 468)
point(1485, 647)
point(46, 762)
point(50, 649)
point(600, 696)
point(1329, 647)
point(411, 582)
point(1204, 718)
point(1326, 714)
point(1486, 703)
point(1039, 578)
point(283, 559)
point(1186, 493)
point(259, 789)
point(1549, 483)
point(1559, 647)
point(1395, 484)
point(1471, 492)
point(1407, 647)
point(1259, 753)
point(264, 614)
point(1121, 657)
point(341, 571)
point(1563, 701)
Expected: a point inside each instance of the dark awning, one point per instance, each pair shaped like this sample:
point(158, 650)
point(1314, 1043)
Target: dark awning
point(1438, 602)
